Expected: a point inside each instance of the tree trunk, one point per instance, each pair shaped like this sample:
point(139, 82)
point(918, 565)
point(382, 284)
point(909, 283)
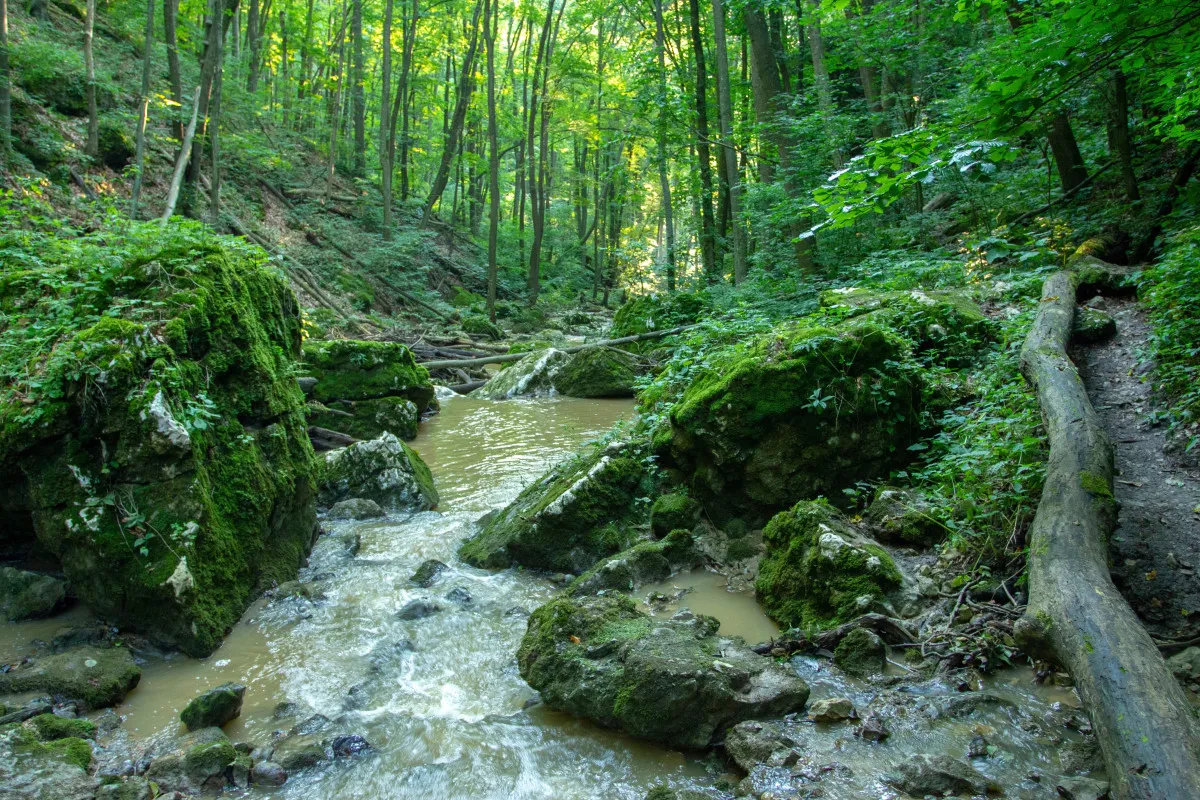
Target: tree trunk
point(335, 106)
point(816, 46)
point(252, 42)
point(385, 95)
point(664, 180)
point(765, 86)
point(214, 194)
point(5, 86)
point(306, 54)
point(725, 106)
point(536, 150)
point(708, 238)
point(404, 91)
point(181, 162)
point(139, 159)
point(1067, 158)
point(93, 146)
point(489, 35)
point(1076, 617)
point(358, 98)
point(775, 22)
point(1122, 146)
point(454, 131)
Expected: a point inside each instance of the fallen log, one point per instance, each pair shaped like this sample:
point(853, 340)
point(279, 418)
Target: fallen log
point(325, 439)
point(506, 357)
point(1076, 617)
point(467, 388)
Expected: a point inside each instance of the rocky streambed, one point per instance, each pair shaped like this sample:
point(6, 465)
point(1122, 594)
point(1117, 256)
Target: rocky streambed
point(393, 669)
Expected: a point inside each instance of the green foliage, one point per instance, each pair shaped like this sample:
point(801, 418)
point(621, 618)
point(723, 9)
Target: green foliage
point(1171, 290)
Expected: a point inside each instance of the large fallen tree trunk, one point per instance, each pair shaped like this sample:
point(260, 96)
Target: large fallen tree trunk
point(505, 357)
point(1076, 617)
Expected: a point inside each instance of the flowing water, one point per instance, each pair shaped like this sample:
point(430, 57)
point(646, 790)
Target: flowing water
point(440, 698)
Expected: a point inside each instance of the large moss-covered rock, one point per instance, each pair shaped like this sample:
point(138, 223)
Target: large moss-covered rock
point(672, 511)
point(947, 327)
point(566, 520)
point(532, 375)
point(479, 325)
point(366, 389)
point(818, 570)
point(803, 411)
point(675, 682)
point(384, 470)
point(597, 372)
point(645, 562)
point(34, 769)
point(198, 763)
point(153, 426)
point(658, 312)
point(24, 595)
point(96, 677)
point(215, 707)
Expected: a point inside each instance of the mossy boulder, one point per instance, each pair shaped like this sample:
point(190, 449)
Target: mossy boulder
point(34, 769)
point(384, 470)
point(1091, 325)
point(804, 411)
point(479, 325)
point(356, 508)
point(947, 327)
point(574, 515)
point(903, 516)
point(24, 595)
point(95, 677)
point(671, 681)
point(50, 728)
point(366, 389)
point(197, 763)
point(214, 708)
point(672, 511)
point(818, 571)
point(644, 563)
point(532, 375)
point(597, 372)
point(860, 653)
point(658, 312)
point(153, 428)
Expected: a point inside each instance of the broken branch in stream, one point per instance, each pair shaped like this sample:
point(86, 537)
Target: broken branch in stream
point(502, 358)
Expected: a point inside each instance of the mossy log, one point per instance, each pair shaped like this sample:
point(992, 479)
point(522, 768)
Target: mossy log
point(1076, 616)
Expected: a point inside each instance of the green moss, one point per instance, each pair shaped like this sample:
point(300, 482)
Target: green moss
point(658, 312)
point(645, 562)
point(71, 750)
point(464, 299)
point(860, 653)
point(1095, 485)
point(671, 511)
point(360, 291)
point(48, 728)
point(97, 677)
point(479, 325)
point(367, 419)
point(817, 571)
point(597, 372)
point(348, 369)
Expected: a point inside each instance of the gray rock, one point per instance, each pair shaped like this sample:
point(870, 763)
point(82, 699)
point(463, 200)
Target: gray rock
point(675, 682)
point(532, 375)
point(214, 708)
point(197, 763)
point(460, 595)
point(299, 752)
point(873, 728)
point(860, 653)
point(418, 609)
point(25, 595)
point(97, 677)
point(923, 774)
point(30, 770)
point(1091, 325)
point(384, 470)
point(133, 787)
point(317, 722)
point(754, 743)
point(902, 516)
point(307, 590)
point(268, 773)
point(356, 508)
point(349, 745)
point(1080, 788)
point(831, 709)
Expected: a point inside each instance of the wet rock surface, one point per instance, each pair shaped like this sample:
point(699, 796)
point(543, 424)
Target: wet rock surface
point(26, 595)
point(385, 471)
point(215, 707)
point(675, 682)
point(96, 677)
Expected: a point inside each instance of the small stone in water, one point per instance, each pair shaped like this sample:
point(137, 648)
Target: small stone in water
point(459, 595)
point(418, 609)
point(349, 745)
point(978, 748)
point(833, 709)
point(873, 728)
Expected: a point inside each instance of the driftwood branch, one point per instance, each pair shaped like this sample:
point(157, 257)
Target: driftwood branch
point(506, 357)
point(325, 439)
point(1076, 617)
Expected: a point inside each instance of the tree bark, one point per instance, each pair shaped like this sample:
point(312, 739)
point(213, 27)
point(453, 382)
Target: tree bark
point(765, 86)
point(489, 35)
point(466, 81)
point(1067, 158)
point(93, 122)
point(1076, 617)
point(139, 158)
point(174, 76)
point(358, 98)
point(404, 90)
point(1123, 147)
point(252, 44)
point(708, 237)
point(5, 86)
point(816, 45)
point(664, 180)
point(214, 192)
point(185, 152)
point(725, 106)
point(385, 94)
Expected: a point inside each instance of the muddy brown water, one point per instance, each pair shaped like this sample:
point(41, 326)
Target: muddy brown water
point(441, 699)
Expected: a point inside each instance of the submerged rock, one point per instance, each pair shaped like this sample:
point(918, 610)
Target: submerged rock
point(366, 389)
point(802, 411)
point(860, 653)
point(300, 752)
point(566, 520)
point(675, 682)
point(645, 562)
point(24, 595)
point(532, 375)
point(428, 573)
point(384, 470)
point(214, 708)
point(183, 430)
point(418, 609)
point(96, 677)
point(923, 774)
point(356, 508)
point(597, 372)
point(198, 762)
point(268, 773)
point(818, 570)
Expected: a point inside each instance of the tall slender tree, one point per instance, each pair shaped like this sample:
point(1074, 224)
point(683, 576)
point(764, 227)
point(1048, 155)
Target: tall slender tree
point(725, 107)
point(385, 136)
point(89, 58)
point(489, 33)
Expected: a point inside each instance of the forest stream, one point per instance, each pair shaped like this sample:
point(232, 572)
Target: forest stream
point(440, 699)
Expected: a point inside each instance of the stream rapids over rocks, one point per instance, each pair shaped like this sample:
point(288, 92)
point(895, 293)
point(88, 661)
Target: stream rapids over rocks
point(425, 670)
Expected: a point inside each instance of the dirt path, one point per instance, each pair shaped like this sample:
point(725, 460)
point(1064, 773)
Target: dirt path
point(1156, 547)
